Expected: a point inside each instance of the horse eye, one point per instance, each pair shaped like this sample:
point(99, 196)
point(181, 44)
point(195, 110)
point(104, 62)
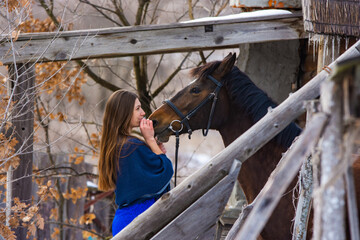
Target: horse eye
point(195, 90)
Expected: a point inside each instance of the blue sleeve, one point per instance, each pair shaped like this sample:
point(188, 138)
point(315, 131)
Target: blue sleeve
point(156, 162)
point(144, 174)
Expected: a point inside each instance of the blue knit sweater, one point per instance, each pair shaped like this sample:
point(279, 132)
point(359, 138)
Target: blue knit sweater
point(143, 174)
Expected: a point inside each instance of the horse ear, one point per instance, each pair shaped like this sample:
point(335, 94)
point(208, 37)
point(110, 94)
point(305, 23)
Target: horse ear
point(227, 64)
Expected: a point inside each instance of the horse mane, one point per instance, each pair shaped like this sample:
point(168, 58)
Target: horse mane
point(244, 94)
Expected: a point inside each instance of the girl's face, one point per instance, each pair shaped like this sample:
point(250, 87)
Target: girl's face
point(137, 115)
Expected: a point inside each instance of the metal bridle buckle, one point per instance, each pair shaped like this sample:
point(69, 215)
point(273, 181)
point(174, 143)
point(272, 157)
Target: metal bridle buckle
point(171, 127)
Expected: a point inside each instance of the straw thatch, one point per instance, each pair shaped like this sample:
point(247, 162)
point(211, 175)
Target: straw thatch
point(332, 17)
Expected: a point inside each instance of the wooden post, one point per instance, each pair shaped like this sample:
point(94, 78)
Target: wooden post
point(23, 78)
point(329, 198)
point(181, 197)
point(305, 187)
point(351, 88)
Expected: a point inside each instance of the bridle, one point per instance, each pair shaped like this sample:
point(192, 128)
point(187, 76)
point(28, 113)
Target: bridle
point(186, 118)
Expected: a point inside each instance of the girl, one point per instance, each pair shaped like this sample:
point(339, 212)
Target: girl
point(137, 170)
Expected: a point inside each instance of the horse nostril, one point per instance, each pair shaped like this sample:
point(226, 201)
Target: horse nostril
point(155, 122)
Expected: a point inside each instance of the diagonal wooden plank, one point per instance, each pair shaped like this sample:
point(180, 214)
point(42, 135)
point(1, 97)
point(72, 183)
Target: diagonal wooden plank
point(281, 177)
point(153, 39)
point(204, 212)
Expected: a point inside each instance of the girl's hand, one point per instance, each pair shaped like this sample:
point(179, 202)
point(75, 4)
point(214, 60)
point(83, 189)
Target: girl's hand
point(162, 147)
point(147, 129)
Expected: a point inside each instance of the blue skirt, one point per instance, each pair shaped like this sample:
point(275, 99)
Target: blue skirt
point(124, 215)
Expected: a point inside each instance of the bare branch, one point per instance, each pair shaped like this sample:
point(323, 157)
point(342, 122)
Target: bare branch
point(202, 56)
point(222, 8)
point(77, 227)
point(191, 15)
point(201, 62)
point(143, 20)
point(186, 12)
point(153, 17)
point(140, 70)
point(120, 13)
point(55, 168)
point(172, 75)
point(50, 13)
point(140, 11)
point(156, 69)
point(99, 8)
point(117, 75)
point(96, 78)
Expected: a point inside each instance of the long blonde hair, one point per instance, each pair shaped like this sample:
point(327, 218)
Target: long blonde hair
point(116, 124)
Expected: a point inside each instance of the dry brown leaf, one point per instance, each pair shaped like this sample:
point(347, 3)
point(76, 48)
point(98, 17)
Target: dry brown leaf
point(15, 35)
point(79, 160)
point(55, 233)
point(87, 218)
point(32, 229)
point(40, 221)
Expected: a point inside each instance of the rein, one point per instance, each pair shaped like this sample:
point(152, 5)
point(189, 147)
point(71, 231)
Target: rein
point(186, 118)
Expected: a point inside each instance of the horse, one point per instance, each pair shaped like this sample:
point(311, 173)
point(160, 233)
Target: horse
point(225, 99)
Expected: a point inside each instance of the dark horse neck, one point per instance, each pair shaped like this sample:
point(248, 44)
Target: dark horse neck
point(249, 104)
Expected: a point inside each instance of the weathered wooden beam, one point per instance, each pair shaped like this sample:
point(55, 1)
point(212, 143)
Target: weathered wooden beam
point(153, 39)
point(204, 212)
point(192, 188)
point(280, 179)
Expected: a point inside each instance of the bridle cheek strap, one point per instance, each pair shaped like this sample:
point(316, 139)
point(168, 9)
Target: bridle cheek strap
point(215, 94)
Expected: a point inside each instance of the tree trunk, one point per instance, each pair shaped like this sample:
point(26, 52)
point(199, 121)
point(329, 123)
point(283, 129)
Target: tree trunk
point(140, 69)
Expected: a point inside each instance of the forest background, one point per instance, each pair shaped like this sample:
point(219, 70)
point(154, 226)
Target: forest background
point(67, 102)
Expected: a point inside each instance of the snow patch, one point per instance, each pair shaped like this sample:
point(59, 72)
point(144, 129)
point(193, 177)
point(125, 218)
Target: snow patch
point(244, 15)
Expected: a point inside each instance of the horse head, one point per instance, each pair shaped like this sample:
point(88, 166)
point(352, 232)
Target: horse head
point(190, 109)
